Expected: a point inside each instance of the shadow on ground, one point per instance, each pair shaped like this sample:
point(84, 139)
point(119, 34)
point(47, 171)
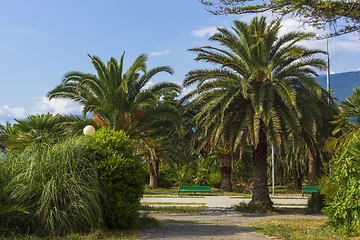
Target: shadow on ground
point(174, 230)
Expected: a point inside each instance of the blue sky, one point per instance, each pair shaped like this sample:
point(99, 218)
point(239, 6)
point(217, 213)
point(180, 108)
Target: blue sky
point(40, 41)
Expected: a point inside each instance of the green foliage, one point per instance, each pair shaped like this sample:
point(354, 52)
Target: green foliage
point(316, 203)
point(185, 175)
point(120, 174)
point(262, 89)
point(116, 96)
point(164, 179)
point(36, 129)
point(343, 192)
point(311, 12)
point(242, 172)
point(58, 185)
point(215, 179)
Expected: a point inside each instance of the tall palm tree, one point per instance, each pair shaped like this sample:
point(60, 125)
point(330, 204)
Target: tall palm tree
point(251, 97)
point(117, 98)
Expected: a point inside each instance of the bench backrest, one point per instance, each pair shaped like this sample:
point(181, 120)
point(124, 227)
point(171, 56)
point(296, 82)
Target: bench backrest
point(195, 188)
point(311, 188)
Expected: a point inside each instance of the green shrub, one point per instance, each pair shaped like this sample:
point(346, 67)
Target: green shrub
point(120, 173)
point(316, 203)
point(215, 179)
point(343, 191)
point(58, 185)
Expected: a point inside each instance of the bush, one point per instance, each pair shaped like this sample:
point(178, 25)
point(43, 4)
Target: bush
point(215, 179)
point(316, 203)
point(58, 185)
point(164, 180)
point(120, 174)
point(343, 191)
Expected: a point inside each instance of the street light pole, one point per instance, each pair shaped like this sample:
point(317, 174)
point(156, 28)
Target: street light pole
point(273, 169)
point(328, 69)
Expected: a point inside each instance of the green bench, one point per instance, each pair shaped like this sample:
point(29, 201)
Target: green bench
point(194, 189)
point(310, 189)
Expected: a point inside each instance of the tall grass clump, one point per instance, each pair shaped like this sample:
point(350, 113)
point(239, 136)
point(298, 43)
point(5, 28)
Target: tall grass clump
point(59, 187)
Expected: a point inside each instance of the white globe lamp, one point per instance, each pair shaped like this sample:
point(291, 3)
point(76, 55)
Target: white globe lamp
point(89, 130)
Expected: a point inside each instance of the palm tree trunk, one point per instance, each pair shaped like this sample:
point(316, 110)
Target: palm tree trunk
point(312, 169)
point(260, 183)
point(296, 179)
point(154, 173)
point(225, 169)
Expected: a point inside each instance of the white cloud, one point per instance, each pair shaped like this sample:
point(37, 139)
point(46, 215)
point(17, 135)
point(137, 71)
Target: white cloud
point(204, 32)
point(55, 106)
point(148, 84)
point(10, 113)
point(160, 53)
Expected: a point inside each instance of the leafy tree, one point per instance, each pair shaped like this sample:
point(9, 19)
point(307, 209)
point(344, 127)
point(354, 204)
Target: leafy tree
point(252, 96)
point(311, 12)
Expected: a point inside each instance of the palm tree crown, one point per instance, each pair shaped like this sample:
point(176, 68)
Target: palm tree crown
point(253, 96)
point(115, 97)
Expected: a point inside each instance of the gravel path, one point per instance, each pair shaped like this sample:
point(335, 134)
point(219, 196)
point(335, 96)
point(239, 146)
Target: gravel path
point(214, 223)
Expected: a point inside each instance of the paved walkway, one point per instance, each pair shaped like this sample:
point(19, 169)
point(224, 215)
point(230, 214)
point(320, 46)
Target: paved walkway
point(224, 201)
point(217, 222)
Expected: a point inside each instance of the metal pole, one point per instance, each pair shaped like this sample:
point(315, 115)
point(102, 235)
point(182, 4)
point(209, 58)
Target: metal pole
point(328, 79)
point(273, 169)
point(328, 69)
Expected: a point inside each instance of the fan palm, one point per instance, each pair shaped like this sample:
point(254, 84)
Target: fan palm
point(252, 97)
point(36, 129)
point(5, 133)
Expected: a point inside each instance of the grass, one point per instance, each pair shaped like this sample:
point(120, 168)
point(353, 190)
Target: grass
point(295, 229)
point(170, 203)
point(144, 223)
point(174, 209)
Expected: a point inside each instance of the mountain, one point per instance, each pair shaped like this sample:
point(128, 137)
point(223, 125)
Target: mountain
point(342, 83)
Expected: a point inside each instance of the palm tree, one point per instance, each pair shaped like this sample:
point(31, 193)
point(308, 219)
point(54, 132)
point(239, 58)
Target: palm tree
point(347, 121)
point(5, 133)
point(252, 96)
point(36, 129)
point(117, 98)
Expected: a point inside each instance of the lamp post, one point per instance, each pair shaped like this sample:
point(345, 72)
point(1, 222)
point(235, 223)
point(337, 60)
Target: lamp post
point(328, 69)
point(89, 130)
point(273, 169)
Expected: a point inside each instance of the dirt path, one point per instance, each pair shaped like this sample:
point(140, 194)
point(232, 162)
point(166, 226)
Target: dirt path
point(215, 223)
